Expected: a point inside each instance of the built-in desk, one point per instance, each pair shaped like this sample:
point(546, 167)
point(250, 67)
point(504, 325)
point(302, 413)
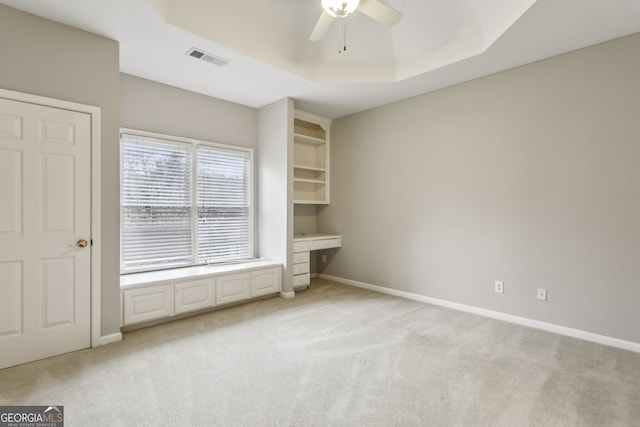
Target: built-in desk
point(303, 244)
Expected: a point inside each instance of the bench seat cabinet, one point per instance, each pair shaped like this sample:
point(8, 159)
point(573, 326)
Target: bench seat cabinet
point(151, 301)
point(232, 288)
point(147, 303)
point(265, 282)
point(194, 295)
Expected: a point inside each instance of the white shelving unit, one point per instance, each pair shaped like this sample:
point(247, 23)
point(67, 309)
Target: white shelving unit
point(311, 159)
point(311, 174)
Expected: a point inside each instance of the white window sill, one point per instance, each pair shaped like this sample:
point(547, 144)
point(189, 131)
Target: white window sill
point(134, 280)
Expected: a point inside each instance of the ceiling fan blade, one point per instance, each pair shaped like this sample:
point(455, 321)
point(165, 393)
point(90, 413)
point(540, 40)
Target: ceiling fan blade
point(386, 15)
point(322, 26)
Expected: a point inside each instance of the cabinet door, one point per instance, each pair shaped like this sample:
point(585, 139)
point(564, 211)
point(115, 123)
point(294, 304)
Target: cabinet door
point(264, 282)
point(234, 287)
point(194, 295)
point(148, 303)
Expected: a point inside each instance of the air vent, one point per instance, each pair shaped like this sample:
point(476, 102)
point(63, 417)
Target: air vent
point(208, 57)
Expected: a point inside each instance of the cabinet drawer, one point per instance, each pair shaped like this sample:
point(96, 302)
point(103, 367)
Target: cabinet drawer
point(147, 303)
point(265, 282)
point(194, 295)
point(326, 244)
point(301, 246)
point(234, 287)
point(301, 268)
point(300, 257)
point(301, 280)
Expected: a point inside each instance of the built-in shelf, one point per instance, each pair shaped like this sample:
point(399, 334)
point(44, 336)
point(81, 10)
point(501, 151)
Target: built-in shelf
point(308, 139)
point(311, 168)
point(311, 181)
point(311, 159)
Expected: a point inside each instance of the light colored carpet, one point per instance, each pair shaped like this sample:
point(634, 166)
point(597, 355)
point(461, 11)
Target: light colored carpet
point(336, 356)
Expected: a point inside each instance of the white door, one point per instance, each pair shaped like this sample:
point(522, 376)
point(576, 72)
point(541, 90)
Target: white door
point(45, 215)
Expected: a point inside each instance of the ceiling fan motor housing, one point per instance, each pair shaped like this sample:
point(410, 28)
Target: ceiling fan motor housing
point(340, 8)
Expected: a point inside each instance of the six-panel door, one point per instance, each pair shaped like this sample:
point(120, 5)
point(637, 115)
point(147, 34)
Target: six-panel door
point(45, 225)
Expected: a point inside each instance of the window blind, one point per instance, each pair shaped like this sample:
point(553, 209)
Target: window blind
point(224, 222)
point(183, 203)
point(156, 204)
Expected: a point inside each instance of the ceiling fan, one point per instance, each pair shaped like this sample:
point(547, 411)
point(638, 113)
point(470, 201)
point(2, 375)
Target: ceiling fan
point(339, 9)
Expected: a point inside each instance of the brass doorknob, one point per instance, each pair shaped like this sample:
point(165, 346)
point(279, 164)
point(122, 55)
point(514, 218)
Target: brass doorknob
point(82, 243)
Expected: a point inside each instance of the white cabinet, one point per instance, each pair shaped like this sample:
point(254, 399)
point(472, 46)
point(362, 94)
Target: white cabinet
point(232, 288)
point(194, 295)
point(265, 282)
point(301, 271)
point(147, 303)
point(160, 294)
point(302, 247)
point(310, 158)
point(300, 268)
point(326, 243)
point(301, 280)
point(301, 257)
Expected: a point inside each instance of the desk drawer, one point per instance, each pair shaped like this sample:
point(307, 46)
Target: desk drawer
point(301, 268)
point(326, 244)
point(300, 257)
point(301, 280)
point(301, 246)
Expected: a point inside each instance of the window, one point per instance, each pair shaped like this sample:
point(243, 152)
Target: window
point(183, 202)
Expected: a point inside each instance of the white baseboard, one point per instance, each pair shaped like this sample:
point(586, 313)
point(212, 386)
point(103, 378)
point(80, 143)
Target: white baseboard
point(287, 295)
point(549, 327)
point(109, 339)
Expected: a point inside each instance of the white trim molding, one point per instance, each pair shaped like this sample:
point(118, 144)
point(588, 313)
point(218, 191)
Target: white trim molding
point(287, 295)
point(110, 339)
point(523, 321)
point(96, 242)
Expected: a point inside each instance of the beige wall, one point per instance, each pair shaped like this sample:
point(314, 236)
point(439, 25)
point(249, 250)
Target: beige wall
point(155, 107)
point(530, 176)
point(49, 59)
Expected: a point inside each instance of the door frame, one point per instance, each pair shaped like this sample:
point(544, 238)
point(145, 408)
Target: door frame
point(94, 112)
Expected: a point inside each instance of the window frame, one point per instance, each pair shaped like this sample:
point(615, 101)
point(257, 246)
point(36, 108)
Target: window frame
point(193, 145)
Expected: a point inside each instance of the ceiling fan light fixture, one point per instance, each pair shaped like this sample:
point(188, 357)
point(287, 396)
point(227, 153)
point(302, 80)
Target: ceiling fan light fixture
point(340, 8)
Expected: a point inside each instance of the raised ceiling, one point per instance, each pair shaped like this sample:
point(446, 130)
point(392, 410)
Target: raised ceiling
point(437, 43)
point(430, 34)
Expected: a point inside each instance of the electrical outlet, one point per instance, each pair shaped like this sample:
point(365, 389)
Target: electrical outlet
point(498, 286)
point(323, 258)
point(542, 294)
